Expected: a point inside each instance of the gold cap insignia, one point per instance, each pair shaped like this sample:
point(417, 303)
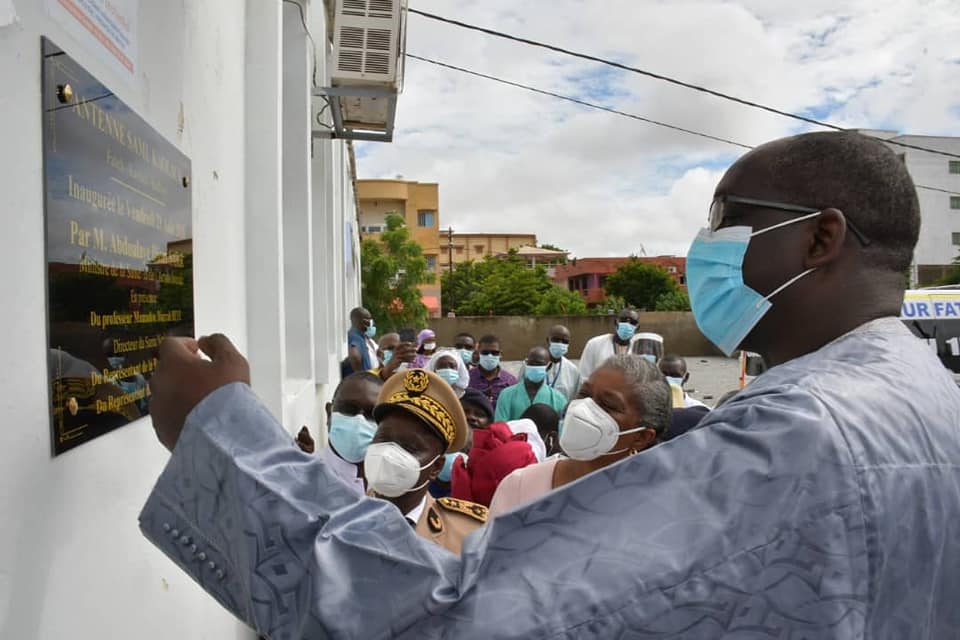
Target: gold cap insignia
point(416, 381)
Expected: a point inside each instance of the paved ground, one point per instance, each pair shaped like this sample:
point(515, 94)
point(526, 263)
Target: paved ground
point(710, 378)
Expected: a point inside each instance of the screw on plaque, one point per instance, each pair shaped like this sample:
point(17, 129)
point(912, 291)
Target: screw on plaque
point(186, 182)
point(64, 93)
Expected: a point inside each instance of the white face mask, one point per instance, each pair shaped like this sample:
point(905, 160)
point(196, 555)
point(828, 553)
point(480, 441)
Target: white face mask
point(429, 346)
point(391, 470)
point(588, 432)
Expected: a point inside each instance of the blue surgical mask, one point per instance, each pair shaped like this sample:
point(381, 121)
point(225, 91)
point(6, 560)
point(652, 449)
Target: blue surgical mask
point(450, 376)
point(467, 356)
point(448, 462)
point(489, 363)
point(649, 357)
point(534, 373)
point(726, 309)
point(625, 330)
point(558, 349)
point(677, 382)
point(351, 435)
point(387, 356)
point(116, 362)
point(371, 330)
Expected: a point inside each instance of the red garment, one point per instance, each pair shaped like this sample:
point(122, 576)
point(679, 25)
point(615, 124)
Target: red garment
point(496, 452)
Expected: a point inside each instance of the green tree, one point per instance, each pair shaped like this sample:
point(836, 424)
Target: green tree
point(610, 306)
point(558, 301)
point(953, 275)
point(505, 286)
point(674, 301)
point(392, 267)
point(640, 284)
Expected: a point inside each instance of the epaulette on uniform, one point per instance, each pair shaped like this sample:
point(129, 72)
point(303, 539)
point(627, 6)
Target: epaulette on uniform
point(476, 511)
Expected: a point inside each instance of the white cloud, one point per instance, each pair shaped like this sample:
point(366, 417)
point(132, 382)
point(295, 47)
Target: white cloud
point(600, 184)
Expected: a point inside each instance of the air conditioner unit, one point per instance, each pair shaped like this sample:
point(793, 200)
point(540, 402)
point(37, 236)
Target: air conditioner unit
point(366, 43)
point(366, 67)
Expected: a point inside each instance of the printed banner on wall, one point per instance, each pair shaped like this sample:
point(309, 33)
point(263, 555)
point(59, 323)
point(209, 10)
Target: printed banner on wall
point(107, 27)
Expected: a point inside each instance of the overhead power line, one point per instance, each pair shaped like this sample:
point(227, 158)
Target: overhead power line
point(600, 107)
point(578, 101)
point(663, 78)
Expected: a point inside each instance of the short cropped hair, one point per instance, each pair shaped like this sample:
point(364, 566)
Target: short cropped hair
point(860, 176)
point(651, 393)
point(488, 339)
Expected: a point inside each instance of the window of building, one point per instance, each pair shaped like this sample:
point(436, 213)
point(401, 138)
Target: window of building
point(458, 250)
point(478, 248)
point(671, 269)
point(431, 263)
point(955, 202)
point(955, 166)
point(426, 218)
point(955, 238)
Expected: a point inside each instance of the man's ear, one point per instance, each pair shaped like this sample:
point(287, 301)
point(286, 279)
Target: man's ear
point(437, 467)
point(827, 240)
point(686, 377)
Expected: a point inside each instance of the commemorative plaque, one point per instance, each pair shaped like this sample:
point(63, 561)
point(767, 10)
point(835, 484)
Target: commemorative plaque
point(118, 252)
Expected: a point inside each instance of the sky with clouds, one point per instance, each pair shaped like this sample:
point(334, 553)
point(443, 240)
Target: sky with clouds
point(598, 184)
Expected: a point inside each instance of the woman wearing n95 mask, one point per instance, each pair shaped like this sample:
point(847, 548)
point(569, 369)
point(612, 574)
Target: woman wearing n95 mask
point(622, 409)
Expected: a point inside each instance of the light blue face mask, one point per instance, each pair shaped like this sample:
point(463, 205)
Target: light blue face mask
point(116, 362)
point(371, 330)
point(450, 376)
point(649, 357)
point(535, 373)
point(351, 435)
point(558, 349)
point(677, 382)
point(467, 356)
point(489, 363)
point(449, 459)
point(726, 309)
point(387, 356)
point(625, 330)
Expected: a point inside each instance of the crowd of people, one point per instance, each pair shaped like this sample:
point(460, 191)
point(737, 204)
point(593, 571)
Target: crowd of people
point(822, 501)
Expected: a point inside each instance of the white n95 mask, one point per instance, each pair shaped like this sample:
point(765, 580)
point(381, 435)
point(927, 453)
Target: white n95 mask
point(391, 470)
point(589, 432)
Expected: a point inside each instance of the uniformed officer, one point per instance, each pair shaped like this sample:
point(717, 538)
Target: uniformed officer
point(419, 419)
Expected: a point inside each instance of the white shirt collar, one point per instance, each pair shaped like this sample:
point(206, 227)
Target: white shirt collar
point(415, 513)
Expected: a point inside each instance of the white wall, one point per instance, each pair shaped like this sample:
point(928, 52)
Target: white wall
point(72, 561)
point(937, 220)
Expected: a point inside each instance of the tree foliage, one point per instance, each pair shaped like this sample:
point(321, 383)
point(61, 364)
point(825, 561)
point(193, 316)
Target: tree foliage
point(953, 275)
point(674, 301)
point(640, 284)
point(392, 268)
point(505, 286)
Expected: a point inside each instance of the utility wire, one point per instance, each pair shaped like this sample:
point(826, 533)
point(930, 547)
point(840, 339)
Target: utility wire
point(313, 45)
point(657, 76)
point(607, 109)
point(578, 101)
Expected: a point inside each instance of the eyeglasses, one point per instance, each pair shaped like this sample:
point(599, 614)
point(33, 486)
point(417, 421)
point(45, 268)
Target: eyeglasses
point(718, 209)
point(631, 320)
point(489, 352)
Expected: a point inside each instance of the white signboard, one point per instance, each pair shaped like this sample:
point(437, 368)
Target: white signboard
point(107, 27)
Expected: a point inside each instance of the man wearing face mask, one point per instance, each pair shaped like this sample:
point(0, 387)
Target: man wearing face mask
point(562, 374)
point(361, 348)
point(487, 377)
point(393, 355)
point(419, 420)
point(466, 346)
point(350, 428)
point(821, 502)
point(516, 399)
point(599, 348)
point(674, 369)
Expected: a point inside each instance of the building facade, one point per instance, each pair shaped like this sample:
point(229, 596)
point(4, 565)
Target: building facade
point(275, 260)
point(938, 188)
point(460, 247)
point(419, 204)
point(587, 276)
point(538, 256)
